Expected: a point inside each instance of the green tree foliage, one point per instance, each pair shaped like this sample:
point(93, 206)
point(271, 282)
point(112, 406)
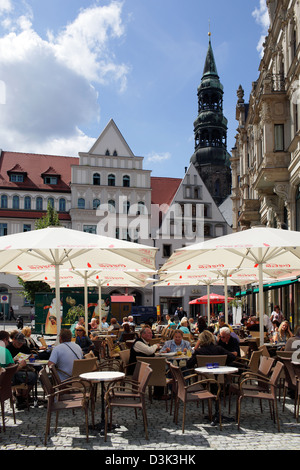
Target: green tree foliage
point(30, 288)
point(49, 219)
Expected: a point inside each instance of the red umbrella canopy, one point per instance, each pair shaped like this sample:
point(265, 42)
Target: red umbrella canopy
point(213, 299)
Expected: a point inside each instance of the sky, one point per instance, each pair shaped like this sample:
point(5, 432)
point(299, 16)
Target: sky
point(69, 66)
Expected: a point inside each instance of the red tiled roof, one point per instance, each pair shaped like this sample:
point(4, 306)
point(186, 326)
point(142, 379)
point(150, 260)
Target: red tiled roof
point(19, 214)
point(164, 189)
point(35, 165)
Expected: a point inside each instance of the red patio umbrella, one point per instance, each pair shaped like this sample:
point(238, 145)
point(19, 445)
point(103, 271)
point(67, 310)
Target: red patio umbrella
point(213, 299)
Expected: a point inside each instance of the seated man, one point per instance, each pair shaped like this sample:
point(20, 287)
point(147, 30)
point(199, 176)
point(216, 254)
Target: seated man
point(22, 376)
point(64, 355)
point(228, 342)
point(141, 347)
point(177, 343)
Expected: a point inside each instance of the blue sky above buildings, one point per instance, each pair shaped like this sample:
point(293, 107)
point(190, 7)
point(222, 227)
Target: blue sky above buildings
point(68, 66)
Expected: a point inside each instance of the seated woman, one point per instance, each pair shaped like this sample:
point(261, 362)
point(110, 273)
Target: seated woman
point(83, 340)
point(177, 343)
point(208, 347)
point(184, 325)
point(41, 351)
point(283, 332)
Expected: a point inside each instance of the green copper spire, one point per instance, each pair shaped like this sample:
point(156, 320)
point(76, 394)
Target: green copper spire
point(210, 67)
point(210, 129)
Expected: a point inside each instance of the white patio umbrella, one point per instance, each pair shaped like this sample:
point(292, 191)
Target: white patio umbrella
point(221, 277)
point(261, 248)
point(55, 248)
point(86, 278)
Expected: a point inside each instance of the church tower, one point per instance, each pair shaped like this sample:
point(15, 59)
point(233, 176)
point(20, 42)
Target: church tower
point(210, 129)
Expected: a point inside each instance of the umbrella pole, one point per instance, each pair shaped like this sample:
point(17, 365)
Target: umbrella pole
point(261, 302)
point(208, 305)
point(85, 302)
point(99, 303)
point(57, 299)
point(226, 299)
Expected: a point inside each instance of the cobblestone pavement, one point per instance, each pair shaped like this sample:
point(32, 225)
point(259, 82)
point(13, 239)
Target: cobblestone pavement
point(258, 431)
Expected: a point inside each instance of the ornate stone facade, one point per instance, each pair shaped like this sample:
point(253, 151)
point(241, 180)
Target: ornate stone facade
point(266, 158)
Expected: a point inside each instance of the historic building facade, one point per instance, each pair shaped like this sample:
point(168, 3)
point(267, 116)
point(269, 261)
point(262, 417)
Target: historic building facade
point(107, 191)
point(266, 158)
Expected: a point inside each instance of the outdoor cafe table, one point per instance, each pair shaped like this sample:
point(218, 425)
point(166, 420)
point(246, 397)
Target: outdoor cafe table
point(102, 376)
point(221, 370)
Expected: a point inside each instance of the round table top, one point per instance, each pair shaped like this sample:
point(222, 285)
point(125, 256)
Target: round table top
point(217, 370)
point(102, 376)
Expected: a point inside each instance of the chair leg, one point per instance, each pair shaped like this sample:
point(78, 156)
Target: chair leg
point(276, 413)
point(239, 410)
point(183, 418)
point(3, 416)
point(145, 422)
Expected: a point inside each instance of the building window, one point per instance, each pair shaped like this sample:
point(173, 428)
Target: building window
point(16, 178)
point(141, 208)
point(26, 228)
point(27, 203)
point(279, 137)
point(62, 205)
point(16, 202)
point(90, 229)
point(96, 179)
point(3, 230)
point(111, 181)
point(207, 232)
point(96, 203)
point(51, 202)
point(126, 207)
point(126, 181)
point(3, 201)
point(50, 179)
point(39, 204)
point(111, 206)
point(166, 251)
point(81, 203)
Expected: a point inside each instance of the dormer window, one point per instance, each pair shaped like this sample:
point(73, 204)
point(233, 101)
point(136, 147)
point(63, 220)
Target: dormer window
point(16, 177)
point(50, 176)
point(50, 179)
point(107, 153)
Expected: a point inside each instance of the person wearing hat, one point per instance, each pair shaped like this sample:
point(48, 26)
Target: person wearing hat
point(23, 375)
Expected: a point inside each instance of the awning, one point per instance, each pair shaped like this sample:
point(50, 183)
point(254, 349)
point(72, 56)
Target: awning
point(122, 298)
point(267, 287)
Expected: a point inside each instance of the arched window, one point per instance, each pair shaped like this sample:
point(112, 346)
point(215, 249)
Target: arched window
point(96, 203)
point(27, 203)
point(81, 203)
point(51, 202)
point(62, 205)
point(96, 179)
point(39, 204)
point(111, 180)
point(141, 208)
point(126, 207)
point(111, 205)
point(16, 202)
point(126, 181)
point(3, 201)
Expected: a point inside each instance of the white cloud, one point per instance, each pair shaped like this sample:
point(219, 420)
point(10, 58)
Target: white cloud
point(158, 157)
point(49, 92)
point(261, 16)
point(5, 6)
